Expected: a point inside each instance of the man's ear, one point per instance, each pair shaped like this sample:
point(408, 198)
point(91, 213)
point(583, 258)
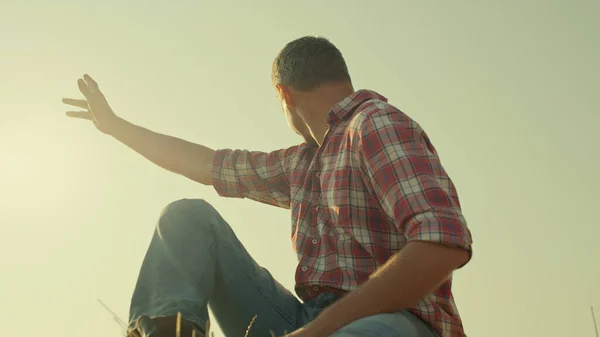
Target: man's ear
point(285, 93)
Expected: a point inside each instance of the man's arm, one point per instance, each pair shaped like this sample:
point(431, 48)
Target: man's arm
point(188, 159)
point(405, 279)
point(176, 155)
point(402, 170)
point(256, 175)
point(261, 176)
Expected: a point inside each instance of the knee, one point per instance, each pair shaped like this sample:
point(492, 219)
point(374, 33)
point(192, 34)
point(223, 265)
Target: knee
point(185, 214)
point(184, 206)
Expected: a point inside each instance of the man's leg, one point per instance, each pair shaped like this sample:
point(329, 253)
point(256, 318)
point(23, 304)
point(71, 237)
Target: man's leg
point(400, 324)
point(195, 260)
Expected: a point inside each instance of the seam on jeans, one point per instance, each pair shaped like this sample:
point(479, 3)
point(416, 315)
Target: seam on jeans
point(180, 268)
point(211, 249)
point(214, 218)
point(277, 308)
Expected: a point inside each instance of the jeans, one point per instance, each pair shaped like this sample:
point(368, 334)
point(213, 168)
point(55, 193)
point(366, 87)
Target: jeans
point(195, 260)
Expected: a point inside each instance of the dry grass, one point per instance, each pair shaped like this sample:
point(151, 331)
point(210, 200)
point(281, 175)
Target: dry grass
point(212, 334)
point(179, 322)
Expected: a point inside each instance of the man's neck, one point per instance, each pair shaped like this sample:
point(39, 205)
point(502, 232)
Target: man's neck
point(321, 101)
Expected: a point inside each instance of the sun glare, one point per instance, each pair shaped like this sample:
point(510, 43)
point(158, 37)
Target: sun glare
point(14, 166)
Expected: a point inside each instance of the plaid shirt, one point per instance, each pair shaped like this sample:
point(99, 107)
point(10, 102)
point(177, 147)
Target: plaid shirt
point(375, 184)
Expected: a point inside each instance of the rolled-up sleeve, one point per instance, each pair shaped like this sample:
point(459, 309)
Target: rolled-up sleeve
point(260, 176)
point(402, 168)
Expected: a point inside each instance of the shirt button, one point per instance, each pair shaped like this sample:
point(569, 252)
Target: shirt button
point(304, 268)
point(315, 288)
point(314, 241)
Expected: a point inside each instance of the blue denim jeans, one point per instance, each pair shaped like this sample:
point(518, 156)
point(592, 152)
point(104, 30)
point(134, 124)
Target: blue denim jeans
point(195, 261)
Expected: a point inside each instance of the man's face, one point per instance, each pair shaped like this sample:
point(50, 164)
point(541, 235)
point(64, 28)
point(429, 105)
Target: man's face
point(293, 118)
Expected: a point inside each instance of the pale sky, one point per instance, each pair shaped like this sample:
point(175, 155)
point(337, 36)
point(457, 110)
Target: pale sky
point(507, 90)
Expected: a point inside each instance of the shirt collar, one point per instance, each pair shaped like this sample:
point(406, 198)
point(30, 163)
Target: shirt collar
point(346, 107)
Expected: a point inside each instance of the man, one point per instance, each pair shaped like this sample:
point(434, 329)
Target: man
point(376, 221)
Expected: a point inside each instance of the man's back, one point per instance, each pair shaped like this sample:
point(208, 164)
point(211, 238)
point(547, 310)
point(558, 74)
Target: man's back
point(356, 200)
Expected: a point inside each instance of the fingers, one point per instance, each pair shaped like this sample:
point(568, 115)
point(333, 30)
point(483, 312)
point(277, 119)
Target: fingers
point(93, 97)
point(89, 88)
point(92, 85)
point(80, 114)
point(80, 103)
point(85, 90)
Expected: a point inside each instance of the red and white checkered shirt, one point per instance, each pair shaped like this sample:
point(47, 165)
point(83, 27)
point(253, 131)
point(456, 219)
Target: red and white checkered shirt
point(375, 184)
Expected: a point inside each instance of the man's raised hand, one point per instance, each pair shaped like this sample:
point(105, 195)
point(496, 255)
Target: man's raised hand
point(96, 108)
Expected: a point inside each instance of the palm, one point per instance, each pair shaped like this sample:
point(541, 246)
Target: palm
point(96, 108)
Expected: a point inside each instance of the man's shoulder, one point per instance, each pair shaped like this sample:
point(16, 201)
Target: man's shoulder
point(376, 114)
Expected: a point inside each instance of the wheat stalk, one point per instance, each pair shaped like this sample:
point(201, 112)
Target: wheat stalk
point(250, 326)
point(208, 332)
point(178, 328)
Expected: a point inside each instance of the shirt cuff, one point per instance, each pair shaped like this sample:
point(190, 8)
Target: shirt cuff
point(447, 231)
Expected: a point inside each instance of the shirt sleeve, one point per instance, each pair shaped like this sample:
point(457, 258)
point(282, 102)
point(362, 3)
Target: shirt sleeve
point(260, 176)
point(402, 168)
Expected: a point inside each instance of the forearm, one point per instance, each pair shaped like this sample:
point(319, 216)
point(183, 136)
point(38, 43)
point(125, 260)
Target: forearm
point(405, 279)
point(191, 160)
